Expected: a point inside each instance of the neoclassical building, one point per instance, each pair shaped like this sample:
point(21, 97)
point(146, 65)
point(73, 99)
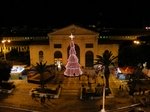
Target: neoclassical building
point(86, 46)
point(54, 47)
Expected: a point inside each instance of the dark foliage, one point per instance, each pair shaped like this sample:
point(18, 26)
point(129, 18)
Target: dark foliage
point(42, 68)
point(5, 68)
point(106, 60)
point(132, 55)
point(7, 85)
point(23, 57)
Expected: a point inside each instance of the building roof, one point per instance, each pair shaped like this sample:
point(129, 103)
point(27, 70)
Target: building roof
point(18, 31)
point(25, 31)
point(74, 29)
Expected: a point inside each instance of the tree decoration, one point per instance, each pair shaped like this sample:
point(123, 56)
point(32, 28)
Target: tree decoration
point(72, 66)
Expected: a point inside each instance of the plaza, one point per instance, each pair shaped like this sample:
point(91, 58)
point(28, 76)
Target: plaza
point(69, 99)
point(70, 52)
point(80, 92)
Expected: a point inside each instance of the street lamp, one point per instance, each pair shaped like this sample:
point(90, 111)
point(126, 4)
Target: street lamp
point(103, 107)
point(100, 67)
point(136, 42)
point(4, 47)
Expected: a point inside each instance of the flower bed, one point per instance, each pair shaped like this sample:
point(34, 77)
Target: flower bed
point(36, 78)
point(46, 92)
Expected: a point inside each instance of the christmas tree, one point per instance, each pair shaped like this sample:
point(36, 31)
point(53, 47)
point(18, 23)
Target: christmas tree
point(72, 66)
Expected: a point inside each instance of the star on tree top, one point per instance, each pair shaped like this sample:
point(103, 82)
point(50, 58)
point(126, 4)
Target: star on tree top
point(71, 36)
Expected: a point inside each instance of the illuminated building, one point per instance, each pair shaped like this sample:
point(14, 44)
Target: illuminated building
point(55, 45)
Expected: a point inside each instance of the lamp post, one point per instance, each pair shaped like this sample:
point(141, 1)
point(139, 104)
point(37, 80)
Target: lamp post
point(103, 107)
point(4, 47)
point(104, 87)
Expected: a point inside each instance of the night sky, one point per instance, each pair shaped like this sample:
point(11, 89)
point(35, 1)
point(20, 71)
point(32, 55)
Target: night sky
point(103, 13)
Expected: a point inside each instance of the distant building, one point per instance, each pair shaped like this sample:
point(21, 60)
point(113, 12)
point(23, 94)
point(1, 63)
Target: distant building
point(54, 47)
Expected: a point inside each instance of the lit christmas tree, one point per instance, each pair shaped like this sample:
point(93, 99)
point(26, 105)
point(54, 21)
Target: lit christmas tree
point(72, 67)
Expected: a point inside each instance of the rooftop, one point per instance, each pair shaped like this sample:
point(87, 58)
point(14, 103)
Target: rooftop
point(28, 31)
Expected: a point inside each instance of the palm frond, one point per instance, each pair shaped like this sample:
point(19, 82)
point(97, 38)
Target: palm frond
point(106, 59)
point(40, 67)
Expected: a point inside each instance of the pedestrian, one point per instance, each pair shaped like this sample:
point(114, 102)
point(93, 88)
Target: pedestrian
point(120, 87)
point(84, 92)
point(42, 99)
point(143, 91)
point(48, 97)
point(33, 95)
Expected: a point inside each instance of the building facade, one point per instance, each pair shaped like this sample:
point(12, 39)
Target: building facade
point(54, 47)
point(86, 46)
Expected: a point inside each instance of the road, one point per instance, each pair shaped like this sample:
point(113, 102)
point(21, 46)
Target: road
point(14, 109)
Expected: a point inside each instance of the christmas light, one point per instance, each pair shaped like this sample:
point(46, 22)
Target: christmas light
point(72, 66)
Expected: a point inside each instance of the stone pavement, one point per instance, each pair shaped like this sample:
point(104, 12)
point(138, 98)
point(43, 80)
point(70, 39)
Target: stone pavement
point(21, 99)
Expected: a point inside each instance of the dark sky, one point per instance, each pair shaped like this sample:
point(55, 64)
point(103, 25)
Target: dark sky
point(106, 13)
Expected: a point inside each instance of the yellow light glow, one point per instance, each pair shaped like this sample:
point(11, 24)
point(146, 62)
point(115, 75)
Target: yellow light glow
point(3, 41)
point(8, 41)
point(136, 42)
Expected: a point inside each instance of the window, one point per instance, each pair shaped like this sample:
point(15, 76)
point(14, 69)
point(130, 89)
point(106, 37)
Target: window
point(41, 55)
point(57, 45)
point(89, 46)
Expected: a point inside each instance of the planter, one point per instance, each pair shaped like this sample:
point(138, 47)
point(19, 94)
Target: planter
point(47, 92)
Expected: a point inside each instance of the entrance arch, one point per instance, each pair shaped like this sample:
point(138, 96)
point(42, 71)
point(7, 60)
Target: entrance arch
point(57, 54)
point(77, 49)
point(89, 58)
point(57, 57)
point(41, 56)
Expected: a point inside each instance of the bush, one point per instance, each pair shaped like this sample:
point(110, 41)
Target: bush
point(7, 85)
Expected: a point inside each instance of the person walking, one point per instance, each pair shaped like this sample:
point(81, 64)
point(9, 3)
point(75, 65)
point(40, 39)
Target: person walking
point(42, 99)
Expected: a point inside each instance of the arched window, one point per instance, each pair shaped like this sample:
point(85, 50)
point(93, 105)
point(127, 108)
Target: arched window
point(41, 56)
point(57, 57)
point(57, 54)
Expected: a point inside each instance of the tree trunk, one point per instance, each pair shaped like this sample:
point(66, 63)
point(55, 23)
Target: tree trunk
point(107, 73)
point(107, 80)
point(42, 80)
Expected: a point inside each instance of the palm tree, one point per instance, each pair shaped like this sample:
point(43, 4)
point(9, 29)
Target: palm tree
point(106, 60)
point(41, 68)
